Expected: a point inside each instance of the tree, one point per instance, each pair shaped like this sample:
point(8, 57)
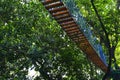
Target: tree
point(106, 27)
point(31, 39)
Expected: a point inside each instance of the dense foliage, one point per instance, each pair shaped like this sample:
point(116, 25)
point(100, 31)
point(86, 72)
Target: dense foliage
point(109, 14)
point(104, 17)
point(30, 39)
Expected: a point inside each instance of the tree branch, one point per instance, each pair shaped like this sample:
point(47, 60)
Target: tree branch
point(102, 25)
point(107, 41)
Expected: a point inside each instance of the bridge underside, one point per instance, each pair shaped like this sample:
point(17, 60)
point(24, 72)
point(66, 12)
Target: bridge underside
point(62, 15)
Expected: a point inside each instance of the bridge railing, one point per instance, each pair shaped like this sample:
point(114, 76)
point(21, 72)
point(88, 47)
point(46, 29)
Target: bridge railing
point(85, 27)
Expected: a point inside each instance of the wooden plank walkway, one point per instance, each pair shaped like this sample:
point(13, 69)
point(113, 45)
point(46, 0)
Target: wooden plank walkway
point(61, 14)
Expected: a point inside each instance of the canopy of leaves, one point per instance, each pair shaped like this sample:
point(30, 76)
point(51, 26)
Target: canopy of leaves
point(31, 39)
point(109, 14)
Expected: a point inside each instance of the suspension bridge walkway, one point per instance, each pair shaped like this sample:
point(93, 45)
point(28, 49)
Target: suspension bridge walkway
point(70, 19)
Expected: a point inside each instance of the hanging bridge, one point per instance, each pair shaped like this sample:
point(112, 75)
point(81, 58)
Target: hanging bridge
point(70, 19)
